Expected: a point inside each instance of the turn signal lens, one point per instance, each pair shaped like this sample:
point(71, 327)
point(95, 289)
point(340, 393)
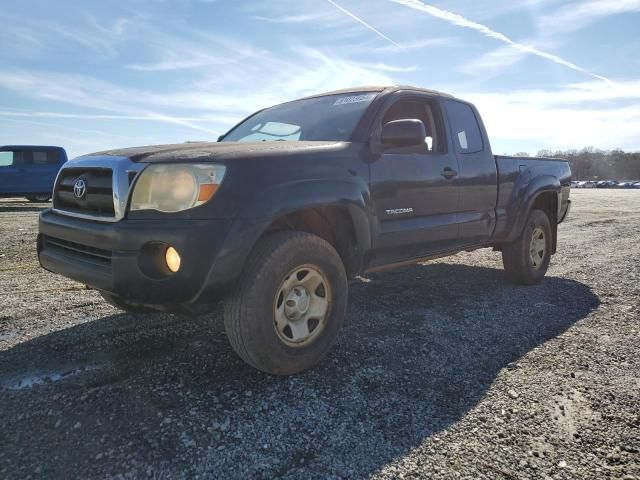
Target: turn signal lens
point(172, 257)
point(207, 190)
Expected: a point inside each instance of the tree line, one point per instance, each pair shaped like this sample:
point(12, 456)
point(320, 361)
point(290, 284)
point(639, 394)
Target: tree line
point(594, 164)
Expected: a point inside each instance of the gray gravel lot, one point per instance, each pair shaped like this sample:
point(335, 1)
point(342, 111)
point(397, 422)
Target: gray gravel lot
point(443, 371)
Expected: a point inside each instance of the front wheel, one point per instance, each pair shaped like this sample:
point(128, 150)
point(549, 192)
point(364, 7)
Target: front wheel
point(526, 260)
point(289, 305)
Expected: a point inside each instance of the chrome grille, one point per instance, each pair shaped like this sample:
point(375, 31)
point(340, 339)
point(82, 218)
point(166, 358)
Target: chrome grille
point(97, 198)
point(107, 181)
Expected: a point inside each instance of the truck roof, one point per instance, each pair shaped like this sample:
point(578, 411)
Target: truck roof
point(31, 147)
point(382, 88)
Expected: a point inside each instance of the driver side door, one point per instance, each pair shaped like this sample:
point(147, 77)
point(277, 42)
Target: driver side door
point(415, 190)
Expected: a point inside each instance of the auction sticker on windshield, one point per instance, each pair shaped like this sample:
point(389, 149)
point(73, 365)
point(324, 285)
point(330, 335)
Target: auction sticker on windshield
point(355, 99)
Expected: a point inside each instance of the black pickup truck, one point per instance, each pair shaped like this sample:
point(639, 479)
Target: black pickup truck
point(293, 202)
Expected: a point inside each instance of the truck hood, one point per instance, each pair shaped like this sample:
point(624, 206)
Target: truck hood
point(221, 151)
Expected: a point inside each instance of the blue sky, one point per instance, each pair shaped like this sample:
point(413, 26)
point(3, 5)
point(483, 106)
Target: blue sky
point(91, 75)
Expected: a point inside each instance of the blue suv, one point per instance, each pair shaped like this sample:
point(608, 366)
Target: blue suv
point(29, 171)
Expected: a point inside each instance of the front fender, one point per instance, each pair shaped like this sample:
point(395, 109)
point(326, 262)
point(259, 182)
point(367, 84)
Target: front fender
point(276, 202)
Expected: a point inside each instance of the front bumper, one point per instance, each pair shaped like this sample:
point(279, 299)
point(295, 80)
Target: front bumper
point(115, 257)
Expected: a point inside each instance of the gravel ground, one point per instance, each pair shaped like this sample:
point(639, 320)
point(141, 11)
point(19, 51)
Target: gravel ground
point(443, 371)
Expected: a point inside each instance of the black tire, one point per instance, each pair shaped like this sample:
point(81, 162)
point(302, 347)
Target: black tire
point(42, 198)
point(250, 311)
point(518, 260)
point(121, 304)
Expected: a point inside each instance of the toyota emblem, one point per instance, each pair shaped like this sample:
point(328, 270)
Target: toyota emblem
point(79, 188)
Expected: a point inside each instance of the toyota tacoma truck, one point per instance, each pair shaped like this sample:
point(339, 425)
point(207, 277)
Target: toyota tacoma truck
point(290, 204)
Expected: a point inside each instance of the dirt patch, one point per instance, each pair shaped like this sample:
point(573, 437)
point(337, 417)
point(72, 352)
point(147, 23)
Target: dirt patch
point(444, 370)
point(605, 221)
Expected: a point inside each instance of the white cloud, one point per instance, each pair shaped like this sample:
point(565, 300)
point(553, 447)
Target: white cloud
point(176, 62)
point(463, 22)
point(383, 67)
point(51, 125)
point(417, 44)
point(49, 35)
point(271, 78)
point(578, 15)
point(493, 61)
point(180, 53)
point(96, 116)
point(304, 18)
point(577, 115)
point(209, 104)
point(86, 92)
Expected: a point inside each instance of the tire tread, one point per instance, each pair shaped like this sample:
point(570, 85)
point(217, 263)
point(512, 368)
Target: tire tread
point(514, 254)
point(260, 260)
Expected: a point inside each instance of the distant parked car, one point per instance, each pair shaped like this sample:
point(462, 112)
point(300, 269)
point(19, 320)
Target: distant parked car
point(625, 185)
point(589, 184)
point(607, 184)
point(636, 185)
point(29, 171)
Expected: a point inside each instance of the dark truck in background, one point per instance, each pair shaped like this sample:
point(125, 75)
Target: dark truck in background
point(29, 171)
point(293, 202)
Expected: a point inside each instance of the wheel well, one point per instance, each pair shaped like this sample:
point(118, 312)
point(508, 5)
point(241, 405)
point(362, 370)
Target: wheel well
point(548, 203)
point(332, 224)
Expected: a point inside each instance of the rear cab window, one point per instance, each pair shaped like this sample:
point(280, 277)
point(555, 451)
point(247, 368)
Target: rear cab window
point(464, 127)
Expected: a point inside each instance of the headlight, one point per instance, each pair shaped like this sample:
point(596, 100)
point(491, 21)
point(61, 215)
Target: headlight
point(175, 187)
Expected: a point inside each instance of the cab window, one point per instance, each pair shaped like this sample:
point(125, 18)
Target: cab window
point(422, 110)
point(464, 126)
point(9, 158)
point(268, 131)
point(6, 159)
point(44, 157)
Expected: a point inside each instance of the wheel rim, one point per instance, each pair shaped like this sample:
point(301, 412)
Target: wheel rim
point(537, 248)
point(301, 306)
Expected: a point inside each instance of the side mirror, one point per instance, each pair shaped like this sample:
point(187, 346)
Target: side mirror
point(403, 133)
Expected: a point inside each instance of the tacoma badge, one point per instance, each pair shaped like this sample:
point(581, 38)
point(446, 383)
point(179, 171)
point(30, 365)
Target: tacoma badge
point(398, 211)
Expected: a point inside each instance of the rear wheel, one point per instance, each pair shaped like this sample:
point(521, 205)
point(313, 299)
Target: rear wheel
point(39, 198)
point(526, 260)
point(290, 303)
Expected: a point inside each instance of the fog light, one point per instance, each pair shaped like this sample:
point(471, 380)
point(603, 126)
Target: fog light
point(172, 257)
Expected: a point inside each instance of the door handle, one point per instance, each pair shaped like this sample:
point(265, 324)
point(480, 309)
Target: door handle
point(449, 173)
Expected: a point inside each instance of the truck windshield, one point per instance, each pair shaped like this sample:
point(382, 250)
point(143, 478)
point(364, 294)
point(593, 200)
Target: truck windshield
point(326, 118)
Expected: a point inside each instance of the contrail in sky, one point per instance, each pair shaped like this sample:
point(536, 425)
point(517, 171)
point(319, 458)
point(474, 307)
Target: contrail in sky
point(359, 20)
point(461, 21)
